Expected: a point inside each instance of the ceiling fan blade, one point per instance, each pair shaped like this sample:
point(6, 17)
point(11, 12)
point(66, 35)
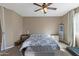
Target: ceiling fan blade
point(52, 8)
point(37, 4)
point(49, 4)
point(38, 9)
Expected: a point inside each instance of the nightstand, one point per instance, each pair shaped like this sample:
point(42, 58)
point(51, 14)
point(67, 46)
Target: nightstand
point(17, 43)
point(23, 37)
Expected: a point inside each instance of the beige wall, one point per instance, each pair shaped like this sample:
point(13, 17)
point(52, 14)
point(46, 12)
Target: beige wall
point(11, 26)
point(47, 25)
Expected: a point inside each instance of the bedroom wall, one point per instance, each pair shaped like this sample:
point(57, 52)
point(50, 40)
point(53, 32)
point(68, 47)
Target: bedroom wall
point(47, 25)
point(13, 27)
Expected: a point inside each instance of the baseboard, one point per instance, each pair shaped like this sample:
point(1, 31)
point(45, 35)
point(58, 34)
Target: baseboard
point(7, 48)
point(64, 42)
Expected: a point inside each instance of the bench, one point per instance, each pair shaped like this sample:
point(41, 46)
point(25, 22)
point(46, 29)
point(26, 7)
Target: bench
point(73, 50)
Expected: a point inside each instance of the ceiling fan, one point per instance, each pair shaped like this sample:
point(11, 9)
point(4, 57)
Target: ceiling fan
point(44, 7)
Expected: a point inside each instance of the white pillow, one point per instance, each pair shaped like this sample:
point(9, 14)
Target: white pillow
point(40, 35)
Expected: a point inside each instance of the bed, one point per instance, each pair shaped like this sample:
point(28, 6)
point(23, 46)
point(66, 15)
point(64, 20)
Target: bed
point(39, 45)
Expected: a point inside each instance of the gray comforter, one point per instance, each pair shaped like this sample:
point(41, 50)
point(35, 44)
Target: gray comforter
point(40, 41)
point(44, 51)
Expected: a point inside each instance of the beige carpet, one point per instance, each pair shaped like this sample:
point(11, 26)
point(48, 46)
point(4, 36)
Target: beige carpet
point(11, 52)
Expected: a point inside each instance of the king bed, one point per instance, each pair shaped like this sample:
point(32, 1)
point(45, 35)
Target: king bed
point(40, 45)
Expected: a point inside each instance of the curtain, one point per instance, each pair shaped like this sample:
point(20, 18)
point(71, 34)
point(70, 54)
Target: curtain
point(70, 30)
point(76, 27)
point(73, 26)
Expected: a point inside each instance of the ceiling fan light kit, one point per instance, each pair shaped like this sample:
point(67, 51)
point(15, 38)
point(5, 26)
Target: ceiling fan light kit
point(44, 7)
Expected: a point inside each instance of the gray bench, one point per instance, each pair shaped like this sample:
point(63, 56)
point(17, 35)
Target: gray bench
point(73, 50)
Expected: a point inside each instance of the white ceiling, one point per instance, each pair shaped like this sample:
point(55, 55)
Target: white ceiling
point(27, 9)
